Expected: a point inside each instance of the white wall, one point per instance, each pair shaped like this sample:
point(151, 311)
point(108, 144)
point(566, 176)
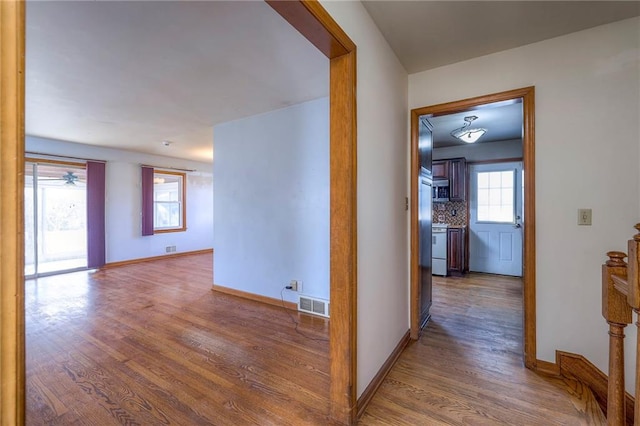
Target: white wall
point(271, 201)
point(481, 151)
point(587, 136)
point(383, 294)
point(124, 199)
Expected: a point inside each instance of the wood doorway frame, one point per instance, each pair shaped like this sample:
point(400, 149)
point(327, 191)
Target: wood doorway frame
point(527, 94)
point(314, 23)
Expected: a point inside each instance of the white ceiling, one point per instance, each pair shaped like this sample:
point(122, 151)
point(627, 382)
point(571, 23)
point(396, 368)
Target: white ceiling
point(429, 34)
point(502, 120)
point(132, 74)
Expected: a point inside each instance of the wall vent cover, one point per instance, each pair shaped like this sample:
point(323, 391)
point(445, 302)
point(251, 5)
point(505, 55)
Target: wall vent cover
point(314, 306)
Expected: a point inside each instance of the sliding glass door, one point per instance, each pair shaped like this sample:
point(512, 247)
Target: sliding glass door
point(55, 218)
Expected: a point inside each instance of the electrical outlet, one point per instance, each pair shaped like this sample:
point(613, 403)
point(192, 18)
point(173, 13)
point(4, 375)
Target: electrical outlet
point(584, 216)
point(296, 285)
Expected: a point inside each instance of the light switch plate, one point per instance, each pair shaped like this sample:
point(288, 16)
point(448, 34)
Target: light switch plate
point(584, 217)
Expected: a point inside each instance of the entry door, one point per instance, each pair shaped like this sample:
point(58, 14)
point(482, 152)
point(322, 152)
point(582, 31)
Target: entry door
point(495, 222)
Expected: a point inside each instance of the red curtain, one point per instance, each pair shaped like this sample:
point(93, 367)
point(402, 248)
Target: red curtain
point(96, 256)
point(147, 200)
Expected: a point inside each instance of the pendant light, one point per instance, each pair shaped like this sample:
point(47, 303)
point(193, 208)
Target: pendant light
point(468, 134)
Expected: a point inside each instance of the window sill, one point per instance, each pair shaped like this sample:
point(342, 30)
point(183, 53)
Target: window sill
point(166, 231)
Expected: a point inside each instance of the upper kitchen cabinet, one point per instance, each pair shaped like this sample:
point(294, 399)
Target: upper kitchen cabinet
point(455, 170)
point(440, 169)
point(457, 179)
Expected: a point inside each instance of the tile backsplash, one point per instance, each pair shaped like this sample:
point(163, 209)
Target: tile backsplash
point(452, 212)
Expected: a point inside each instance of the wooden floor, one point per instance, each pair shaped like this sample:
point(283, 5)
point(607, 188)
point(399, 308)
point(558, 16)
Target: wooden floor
point(151, 344)
point(467, 368)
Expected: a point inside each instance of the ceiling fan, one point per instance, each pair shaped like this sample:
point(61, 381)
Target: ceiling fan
point(69, 178)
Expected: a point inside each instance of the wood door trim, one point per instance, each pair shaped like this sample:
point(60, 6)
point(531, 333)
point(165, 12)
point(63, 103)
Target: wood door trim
point(315, 23)
point(529, 275)
point(12, 346)
point(343, 236)
point(331, 40)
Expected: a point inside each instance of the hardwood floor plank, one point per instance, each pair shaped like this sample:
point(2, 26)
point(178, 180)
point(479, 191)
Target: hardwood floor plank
point(468, 369)
point(45, 400)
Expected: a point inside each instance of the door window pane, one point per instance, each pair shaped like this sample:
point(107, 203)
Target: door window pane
point(483, 180)
point(496, 196)
point(483, 197)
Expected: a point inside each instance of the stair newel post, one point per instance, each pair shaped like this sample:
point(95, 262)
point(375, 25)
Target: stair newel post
point(633, 298)
point(618, 314)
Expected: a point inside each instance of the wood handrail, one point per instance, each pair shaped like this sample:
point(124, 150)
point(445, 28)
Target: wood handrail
point(620, 284)
point(621, 297)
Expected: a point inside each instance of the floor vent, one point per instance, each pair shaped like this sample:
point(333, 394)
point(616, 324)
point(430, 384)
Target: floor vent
point(314, 306)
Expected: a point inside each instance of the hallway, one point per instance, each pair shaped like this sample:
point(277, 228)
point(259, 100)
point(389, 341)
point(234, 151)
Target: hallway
point(467, 367)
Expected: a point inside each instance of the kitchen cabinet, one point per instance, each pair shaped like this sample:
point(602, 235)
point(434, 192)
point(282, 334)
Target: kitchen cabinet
point(457, 179)
point(455, 171)
point(457, 263)
point(440, 169)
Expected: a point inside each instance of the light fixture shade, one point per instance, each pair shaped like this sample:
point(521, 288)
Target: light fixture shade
point(471, 135)
point(465, 134)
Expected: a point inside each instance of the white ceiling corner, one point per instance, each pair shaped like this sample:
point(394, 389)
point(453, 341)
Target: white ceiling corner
point(429, 34)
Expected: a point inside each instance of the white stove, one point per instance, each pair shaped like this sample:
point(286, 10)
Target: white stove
point(439, 249)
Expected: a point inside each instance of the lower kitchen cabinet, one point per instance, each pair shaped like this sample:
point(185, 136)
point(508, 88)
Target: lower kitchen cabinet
point(457, 263)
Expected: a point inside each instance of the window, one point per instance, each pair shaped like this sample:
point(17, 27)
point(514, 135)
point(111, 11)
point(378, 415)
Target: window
point(168, 201)
point(496, 196)
point(164, 201)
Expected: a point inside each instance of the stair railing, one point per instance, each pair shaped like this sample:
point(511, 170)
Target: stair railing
point(621, 297)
